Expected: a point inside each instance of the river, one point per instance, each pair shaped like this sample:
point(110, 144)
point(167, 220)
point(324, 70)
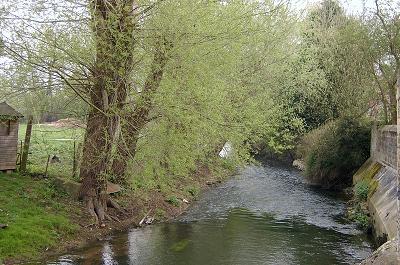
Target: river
point(265, 215)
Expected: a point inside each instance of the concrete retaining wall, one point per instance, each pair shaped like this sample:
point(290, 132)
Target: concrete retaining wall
point(381, 172)
point(384, 144)
point(382, 204)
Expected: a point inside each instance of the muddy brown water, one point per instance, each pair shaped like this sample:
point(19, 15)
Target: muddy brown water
point(265, 215)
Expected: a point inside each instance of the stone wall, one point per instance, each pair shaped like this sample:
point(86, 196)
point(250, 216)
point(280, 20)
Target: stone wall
point(383, 145)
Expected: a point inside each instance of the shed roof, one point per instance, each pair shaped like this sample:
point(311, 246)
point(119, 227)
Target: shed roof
point(7, 111)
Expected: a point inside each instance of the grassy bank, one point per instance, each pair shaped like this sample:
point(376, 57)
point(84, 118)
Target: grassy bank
point(38, 217)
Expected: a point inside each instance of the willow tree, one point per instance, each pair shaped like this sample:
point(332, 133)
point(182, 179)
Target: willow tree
point(213, 85)
point(331, 70)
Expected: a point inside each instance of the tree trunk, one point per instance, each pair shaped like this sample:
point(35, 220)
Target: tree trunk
point(113, 24)
point(398, 155)
point(94, 166)
point(126, 150)
point(137, 120)
point(393, 104)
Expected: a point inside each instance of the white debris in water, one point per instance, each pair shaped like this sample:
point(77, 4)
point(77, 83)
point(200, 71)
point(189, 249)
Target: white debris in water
point(226, 150)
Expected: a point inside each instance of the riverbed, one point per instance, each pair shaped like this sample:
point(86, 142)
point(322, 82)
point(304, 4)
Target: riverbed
point(264, 215)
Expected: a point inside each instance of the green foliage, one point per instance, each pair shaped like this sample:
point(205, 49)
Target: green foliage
point(361, 190)
point(193, 190)
point(362, 220)
point(333, 152)
point(202, 103)
point(331, 70)
point(173, 200)
point(25, 206)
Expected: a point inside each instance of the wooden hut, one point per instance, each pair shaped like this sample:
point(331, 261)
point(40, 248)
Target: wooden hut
point(9, 121)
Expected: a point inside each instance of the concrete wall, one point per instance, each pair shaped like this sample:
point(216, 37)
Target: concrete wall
point(383, 145)
point(382, 205)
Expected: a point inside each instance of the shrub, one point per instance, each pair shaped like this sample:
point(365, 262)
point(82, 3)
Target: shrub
point(362, 220)
point(334, 151)
point(173, 200)
point(361, 190)
point(193, 190)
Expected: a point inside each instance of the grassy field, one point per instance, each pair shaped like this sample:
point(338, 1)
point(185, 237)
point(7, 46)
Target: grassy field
point(37, 216)
point(47, 141)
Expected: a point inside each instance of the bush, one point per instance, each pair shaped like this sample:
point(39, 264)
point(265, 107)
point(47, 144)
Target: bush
point(361, 190)
point(334, 151)
point(174, 201)
point(362, 220)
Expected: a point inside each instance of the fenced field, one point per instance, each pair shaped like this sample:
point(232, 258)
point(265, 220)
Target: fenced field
point(54, 142)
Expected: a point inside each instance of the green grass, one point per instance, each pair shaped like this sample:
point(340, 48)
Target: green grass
point(36, 216)
point(47, 140)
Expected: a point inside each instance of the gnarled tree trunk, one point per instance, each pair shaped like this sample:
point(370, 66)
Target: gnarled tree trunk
point(113, 24)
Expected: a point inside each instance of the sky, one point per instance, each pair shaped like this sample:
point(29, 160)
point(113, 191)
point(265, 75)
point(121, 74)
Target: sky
point(351, 6)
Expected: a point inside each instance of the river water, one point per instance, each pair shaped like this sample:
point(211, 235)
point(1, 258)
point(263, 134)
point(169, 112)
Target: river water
point(265, 215)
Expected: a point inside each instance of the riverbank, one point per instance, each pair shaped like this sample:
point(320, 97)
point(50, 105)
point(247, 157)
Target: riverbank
point(44, 221)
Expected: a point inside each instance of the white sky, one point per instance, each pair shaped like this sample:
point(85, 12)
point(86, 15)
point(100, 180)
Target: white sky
point(351, 6)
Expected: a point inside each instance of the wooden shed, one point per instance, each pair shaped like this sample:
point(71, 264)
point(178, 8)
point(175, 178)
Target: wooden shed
point(9, 121)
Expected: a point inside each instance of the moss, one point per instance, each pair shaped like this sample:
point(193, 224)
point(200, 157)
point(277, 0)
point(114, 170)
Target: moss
point(181, 245)
point(362, 172)
point(371, 171)
point(364, 178)
point(365, 186)
point(373, 185)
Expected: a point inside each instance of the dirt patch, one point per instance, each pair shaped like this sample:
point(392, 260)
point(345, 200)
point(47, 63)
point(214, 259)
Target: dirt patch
point(67, 123)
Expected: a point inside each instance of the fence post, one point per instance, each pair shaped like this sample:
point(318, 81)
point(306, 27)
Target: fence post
point(74, 164)
point(25, 152)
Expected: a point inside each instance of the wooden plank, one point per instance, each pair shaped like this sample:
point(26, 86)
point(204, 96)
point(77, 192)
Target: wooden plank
point(8, 145)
